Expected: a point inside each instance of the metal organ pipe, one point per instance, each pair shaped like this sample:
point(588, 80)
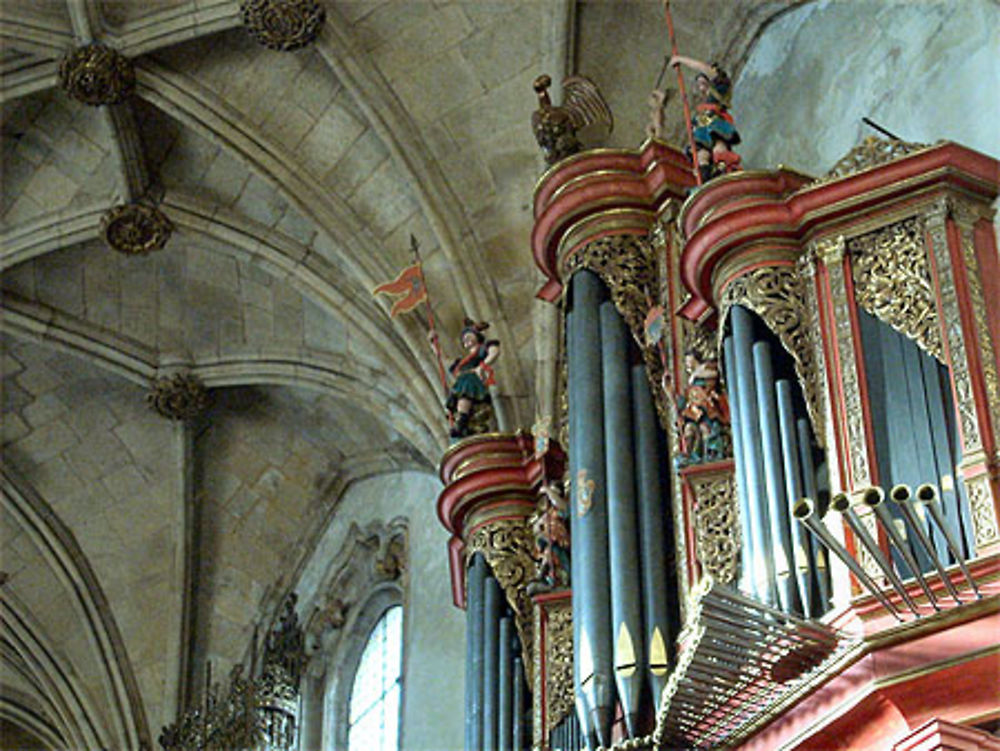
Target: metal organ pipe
point(817, 549)
point(802, 560)
point(517, 699)
point(900, 494)
point(753, 469)
point(841, 503)
point(475, 584)
point(491, 663)
point(774, 480)
point(591, 600)
point(505, 721)
point(927, 496)
point(805, 512)
point(874, 497)
point(748, 554)
point(656, 634)
point(626, 614)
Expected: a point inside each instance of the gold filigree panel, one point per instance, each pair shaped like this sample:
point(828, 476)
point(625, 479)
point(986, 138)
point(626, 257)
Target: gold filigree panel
point(776, 294)
point(559, 661)
point(984, 520)
point(871, 152)
point(892, 281)
point(508, 547)
point(716, 525)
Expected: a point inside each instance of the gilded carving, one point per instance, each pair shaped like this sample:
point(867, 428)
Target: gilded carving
point(871, 152)
point(96, 74)
point(283, 25)
point(180, 397)
point(984, 521)
point(135, 229)
point(559, 663)
point(716, 524)
point(831, 251)
point(807, 272)
point(892, 281)
point(508, 546)
point(775, 293)
point(952, 324)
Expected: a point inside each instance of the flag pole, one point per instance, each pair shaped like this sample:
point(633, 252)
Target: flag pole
point(684, 99)
point(414, 246)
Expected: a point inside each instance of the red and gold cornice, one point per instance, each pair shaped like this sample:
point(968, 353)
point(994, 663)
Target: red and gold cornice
point(743, 213)
point(601, 192)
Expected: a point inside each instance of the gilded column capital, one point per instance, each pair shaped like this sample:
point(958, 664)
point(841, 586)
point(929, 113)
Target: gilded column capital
point(182, 396)
point(135, 229)
point(283, 25)
point(96, 74)
point(830, 250)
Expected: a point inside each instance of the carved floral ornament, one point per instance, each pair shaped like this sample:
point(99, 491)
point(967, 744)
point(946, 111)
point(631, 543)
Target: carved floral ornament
point(135, 229)
point(716, 523)
point(180, 397)
point(283, 25)
point(96, 74)
point(871, 152)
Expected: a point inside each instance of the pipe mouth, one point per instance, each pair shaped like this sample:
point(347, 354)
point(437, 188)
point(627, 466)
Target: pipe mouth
point(840, 502)
point(873, 496)
point(926, 493)
point(900, 493)
point(803, 508)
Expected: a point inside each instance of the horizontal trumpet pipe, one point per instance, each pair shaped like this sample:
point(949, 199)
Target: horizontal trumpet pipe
point(841, 503)
point(927, 496)
point(874, 498)
point(900, 494)
point(805, 512)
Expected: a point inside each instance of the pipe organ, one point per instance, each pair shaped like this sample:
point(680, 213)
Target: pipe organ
point(779, 420)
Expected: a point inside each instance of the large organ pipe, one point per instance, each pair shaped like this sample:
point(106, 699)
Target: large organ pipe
point(653, 543)
point(875, 498)
point(816, 548)
point(475, 583)
point(927, 496)
point(900, 494)
point(591, 597)
point(517, 699)
point(841, 503)
point(805, 512)
point(626, 613)
point(493, 600)
point(802, 560)
point(774, 479)
point(748, 555)
point(505, 720)
point(753, 470)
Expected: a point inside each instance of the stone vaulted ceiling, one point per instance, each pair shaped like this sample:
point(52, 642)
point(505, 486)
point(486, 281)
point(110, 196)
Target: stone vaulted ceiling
point(293, 181)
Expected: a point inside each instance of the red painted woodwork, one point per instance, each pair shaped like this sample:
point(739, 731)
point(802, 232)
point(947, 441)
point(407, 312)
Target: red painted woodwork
point(941, 735)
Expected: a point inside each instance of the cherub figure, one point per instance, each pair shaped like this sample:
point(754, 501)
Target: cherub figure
point(713, 128)
point(550, 529)
point(473, 376)
point(702, 410)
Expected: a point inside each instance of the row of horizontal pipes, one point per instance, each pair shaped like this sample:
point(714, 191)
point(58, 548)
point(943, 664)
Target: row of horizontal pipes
point(619, 565)
point(494, 669)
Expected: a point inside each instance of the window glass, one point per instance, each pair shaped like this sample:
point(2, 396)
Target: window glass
point(374, 708)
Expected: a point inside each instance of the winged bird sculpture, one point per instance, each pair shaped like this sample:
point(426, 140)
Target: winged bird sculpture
point(556, 126)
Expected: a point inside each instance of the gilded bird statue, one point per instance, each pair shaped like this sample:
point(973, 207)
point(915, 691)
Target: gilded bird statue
point(556, 126)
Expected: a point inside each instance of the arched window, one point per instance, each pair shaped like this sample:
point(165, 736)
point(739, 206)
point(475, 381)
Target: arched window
point(373, 722)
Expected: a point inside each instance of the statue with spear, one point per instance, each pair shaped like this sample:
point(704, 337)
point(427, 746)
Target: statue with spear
point(472, 372)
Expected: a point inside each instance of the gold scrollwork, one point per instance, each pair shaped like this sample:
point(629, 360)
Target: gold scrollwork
point(952, 323)
point(716, 524)
point(508, 547)
point(984, 521)
point(831, 252)
point(559, 661)
point(775, 293)
point(871, 152)
point(892, 281)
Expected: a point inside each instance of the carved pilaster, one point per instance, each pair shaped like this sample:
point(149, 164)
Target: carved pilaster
point(135, 229)
point(283, 25)
point(982, 511)
point(179, 397)
point(830, 252)
point(892, 281)
point(776, 294)
point(716, 523)
point(96, 74)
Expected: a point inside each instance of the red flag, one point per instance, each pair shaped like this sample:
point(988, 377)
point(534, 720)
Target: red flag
point(410, 283)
